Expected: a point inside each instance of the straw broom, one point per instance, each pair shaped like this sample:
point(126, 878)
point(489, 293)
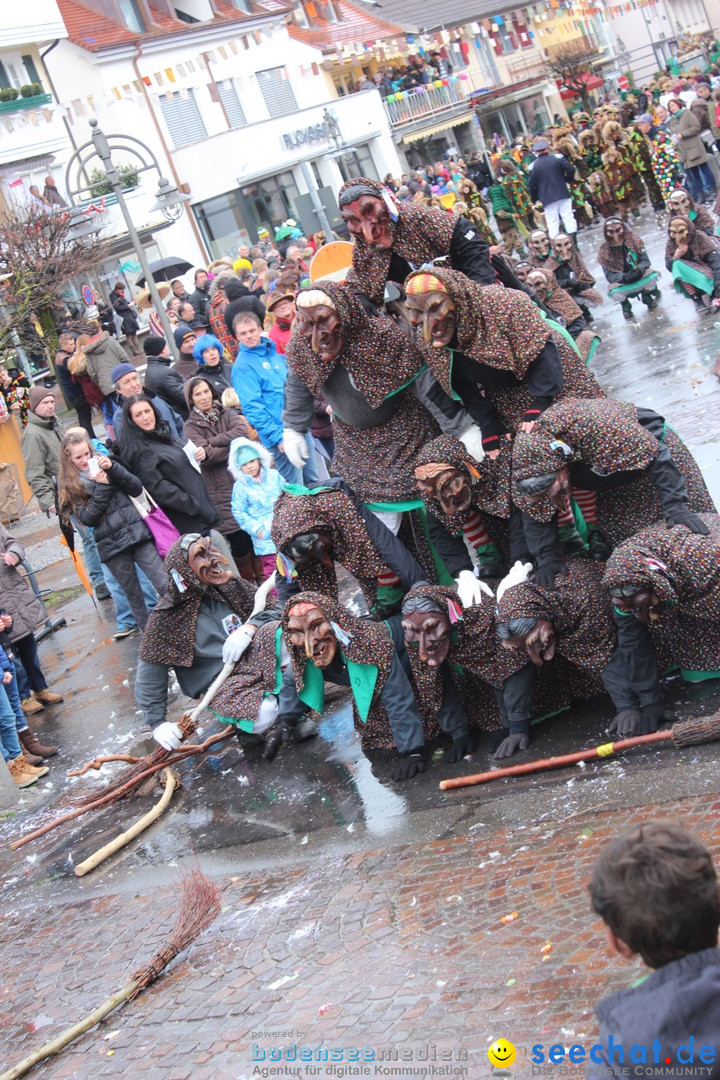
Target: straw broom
point(200, 904)
point(687, 733)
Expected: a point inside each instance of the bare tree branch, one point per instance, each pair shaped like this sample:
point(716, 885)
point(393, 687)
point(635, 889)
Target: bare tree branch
point(571, 64)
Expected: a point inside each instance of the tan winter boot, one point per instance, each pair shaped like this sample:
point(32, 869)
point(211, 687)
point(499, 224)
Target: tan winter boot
point(32, 745)
point(31, 705)
point(37, 770)
point(20, 772)
point(48, 696)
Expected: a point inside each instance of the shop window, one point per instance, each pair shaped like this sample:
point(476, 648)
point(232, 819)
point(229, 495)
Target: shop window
point(358, 162)
point(231, 103)
point(277, 91)
point(131, 16)
point(242, 5)
point(507, 43)
point(182, 116)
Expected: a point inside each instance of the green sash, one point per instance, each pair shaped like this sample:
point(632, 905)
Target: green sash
point(363, 679)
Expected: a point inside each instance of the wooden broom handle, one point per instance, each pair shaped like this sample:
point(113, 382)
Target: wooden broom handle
point(606, 750)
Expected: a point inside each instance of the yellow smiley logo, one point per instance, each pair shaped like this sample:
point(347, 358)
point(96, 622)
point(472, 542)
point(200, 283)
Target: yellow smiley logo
point(502, 1053)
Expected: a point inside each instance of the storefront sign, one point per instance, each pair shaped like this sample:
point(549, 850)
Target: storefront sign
point(327, 129)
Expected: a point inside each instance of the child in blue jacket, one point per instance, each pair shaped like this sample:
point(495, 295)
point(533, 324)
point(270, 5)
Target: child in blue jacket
point(255, 491)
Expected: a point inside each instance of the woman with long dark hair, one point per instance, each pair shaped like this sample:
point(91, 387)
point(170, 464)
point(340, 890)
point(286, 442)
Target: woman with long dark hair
point(156, 456)
point(98, 490)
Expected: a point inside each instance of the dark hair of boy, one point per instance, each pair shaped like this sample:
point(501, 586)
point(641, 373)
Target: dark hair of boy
point(656, 888)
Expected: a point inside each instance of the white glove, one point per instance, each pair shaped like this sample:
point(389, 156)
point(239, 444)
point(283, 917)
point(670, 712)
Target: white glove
point(472, 441)
point(267, 715)
point(517, 574)
point(470, 589)
point(296, 448)
point(168, 735)
point(235, 645)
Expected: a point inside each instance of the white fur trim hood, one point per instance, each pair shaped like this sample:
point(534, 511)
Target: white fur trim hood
point(264, 455)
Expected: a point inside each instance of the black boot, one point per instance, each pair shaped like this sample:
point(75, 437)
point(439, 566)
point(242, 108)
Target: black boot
point(599, 547)
point(627, 309)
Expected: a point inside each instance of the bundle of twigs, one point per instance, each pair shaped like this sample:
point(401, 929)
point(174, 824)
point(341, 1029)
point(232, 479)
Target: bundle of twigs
point(200, 904)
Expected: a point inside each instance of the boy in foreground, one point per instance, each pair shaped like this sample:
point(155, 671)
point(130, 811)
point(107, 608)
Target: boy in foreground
point(656, 889)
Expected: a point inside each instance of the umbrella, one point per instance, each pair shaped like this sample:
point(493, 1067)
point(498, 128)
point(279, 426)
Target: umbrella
point(166, 269)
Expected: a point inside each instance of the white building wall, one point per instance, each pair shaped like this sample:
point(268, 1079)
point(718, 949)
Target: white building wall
point(34, 20)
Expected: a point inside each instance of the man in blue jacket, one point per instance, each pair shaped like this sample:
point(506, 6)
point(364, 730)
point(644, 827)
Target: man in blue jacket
point(258, 378)
point(549, 179)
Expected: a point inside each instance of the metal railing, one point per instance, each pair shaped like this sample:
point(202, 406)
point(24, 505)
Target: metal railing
point(430, 100)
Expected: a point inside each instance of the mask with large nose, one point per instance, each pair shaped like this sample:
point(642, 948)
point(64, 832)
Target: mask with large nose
point(368, 219)
point(319, 323)
point(446, 484)
point(430, 310)
point(309, 629)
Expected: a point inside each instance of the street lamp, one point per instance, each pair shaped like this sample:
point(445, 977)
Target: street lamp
point(168, 199)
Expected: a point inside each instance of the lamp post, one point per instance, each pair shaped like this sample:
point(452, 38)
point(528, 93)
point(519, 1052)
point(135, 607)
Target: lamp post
point(168, 199)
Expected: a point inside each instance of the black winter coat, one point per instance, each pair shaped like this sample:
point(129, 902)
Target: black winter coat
point(175, 485)
point(549, 179)
point(166, 383)
point(200, 300)
point(219, 376)
point(122, 308)
point(116, 522)
point(248, 302)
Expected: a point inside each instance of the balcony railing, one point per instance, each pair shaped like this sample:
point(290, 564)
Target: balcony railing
point(450, 98)
point(34, 102)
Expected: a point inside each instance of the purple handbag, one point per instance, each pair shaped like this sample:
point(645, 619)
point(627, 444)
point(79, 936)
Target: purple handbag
point(161, 528)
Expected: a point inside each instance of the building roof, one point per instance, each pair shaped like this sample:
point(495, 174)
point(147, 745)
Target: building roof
point(357, 24)
point(419, 16)
point(94, 31)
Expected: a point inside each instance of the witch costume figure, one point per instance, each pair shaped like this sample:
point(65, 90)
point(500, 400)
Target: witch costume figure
point(626, 265)
point(568, 266)
point(572, 622)
point(634, 465)
point(561, 307)
point(313, 530)
point(694, 262)
point(203, 621)
point(391, 238)
point(681, 202)
point(665, 588)
point(328, 644)
point(492, 349)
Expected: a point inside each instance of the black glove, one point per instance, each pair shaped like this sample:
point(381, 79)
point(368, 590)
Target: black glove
point(691, 521)
point(410, 764)
point(276, 737)
point(632, 275)
point(630, 722)
point(510, 745)
point(545, 574)
point(657, 714)
point(491, 442)
point(462, 745)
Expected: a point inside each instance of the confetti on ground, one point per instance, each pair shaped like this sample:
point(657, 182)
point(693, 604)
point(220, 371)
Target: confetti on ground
point(510, 918)
point(547, 947)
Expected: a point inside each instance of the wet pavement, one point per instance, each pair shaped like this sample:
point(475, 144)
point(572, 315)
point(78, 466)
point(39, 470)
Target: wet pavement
point(357, 912)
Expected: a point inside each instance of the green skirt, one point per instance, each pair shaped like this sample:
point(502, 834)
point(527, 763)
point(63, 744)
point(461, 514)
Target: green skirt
point(634, 288)
point(682, 272)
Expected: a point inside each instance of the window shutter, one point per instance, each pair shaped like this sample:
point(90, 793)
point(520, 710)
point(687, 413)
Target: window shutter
point(231, 103)
point(182, 117)
point(277, 92)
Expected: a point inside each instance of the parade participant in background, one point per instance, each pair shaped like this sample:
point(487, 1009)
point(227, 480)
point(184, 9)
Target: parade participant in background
point(572, 274)
point(572, 621)
point(328, 644)
point(665, 587)
point(156, 456)
point(663, 158)
point(203, 621)
point(391, 237)
point(161, 378)
point(549, 179)
point(563, 309)
point(96, 491)
point(212, 429)
point(373, 378)
point(626, 266)
point(314, 530)
point(620, 176)
point(505, 217)
point(256, 489)
point(683, 204)
point(636, 468)
point(694, 262)
point(258, 376)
